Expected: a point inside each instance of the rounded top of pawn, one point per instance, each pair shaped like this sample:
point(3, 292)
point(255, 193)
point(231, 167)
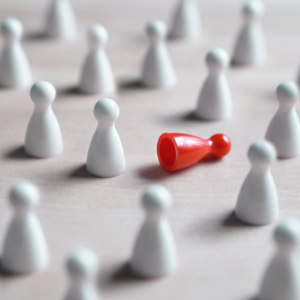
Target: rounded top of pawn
point(106, 110)
point(42, 92)
point(287, 233)
point(156, 29)
point(24, 194)
point(262, 153)
point(287, 93)
point(254, 8)
point(217, 59)
point(97, 35)
point(12, 28)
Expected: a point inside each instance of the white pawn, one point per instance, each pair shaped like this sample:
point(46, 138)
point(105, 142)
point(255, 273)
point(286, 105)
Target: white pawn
point(97, 75)
point(14, 65)
point(43, 136)
point(82, 267)
point(61, 20)
point(106, 156)
point(154, 253)
point(284, 128)
point(25, 248)
point(250, 48)
point(257, 202)
point(282, 277)
point(214, 102)
point(158, 71)
point(186, 23)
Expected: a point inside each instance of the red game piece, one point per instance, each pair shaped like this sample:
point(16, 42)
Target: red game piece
point(176, 151)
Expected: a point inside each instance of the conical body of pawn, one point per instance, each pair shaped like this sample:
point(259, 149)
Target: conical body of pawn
point(61, 20)
point(250, 48)
point(257, 202)
point(158, 71)
point(186, 23)
point(154, 252)
point(282, 277)
point(215, 102)
point(25, 248)
point(106, 156)
point(97, 75)
point(14, 65)
point(43, 136)
point(284, 129)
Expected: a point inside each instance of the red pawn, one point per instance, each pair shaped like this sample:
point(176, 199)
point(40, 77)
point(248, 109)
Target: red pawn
point(176, 151)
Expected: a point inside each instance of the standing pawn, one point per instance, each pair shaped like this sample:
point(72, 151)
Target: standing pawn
point(25, 248)
point(282, 277)
point(14, 66)
point(257, 202)
point(158, 71)
point(81, 267)
point(214, 102)
point(154, 253)
point(106, 156)
point(43, 137)
point(97, 75)
point(284, 128)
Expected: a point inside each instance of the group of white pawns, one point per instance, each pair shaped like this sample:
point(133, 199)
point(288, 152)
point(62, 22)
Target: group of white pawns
point(154, 252)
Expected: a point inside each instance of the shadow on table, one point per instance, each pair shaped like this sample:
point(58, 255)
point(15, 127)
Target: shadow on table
point(80, 172)
point(130, 84)
point(231, 220)
point(188, 116)
point(154, 172)
point(36, 36)
point(70, 90)
point(18, 153)
point(4, 274)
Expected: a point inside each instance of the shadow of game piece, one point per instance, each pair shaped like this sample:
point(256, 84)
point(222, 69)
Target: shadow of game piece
point(18, 153)
point(232, 221)
point(81, 173)
point(35, 36)
point(131, 84)
point(71, 90)
point(154, 172)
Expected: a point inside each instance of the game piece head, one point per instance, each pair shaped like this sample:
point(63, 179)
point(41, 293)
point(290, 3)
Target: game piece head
point(220, 145)
point(253, 9)
point(11, 29)
point(156, 30)
point(42, 93)
point(106, 111)
point(97, 36)
point(216, 60)
point(287, 94)
point(261, 154)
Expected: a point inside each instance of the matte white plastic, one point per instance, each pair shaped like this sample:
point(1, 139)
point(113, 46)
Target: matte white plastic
point(25, 248)
point(284, 128)
point(257, 202)
point(97, 75)
point(15, 70)
point(154, 253)
point(43, 136)
point(158, 71)
point(215, 102)
point(106, 156)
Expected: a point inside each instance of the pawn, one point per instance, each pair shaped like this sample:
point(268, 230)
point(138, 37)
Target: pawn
point(61, 20)
point(97, 75)
point(14, 66)
point(250, 48)
point(214, 102)
point(158, 71)
point(106, 156)
point(82, 267)
point(284, 128)
point(186, 23)
point(25, 248)
point(43, 136)
point(257, 202)
point(154, 253)
point(282, 277)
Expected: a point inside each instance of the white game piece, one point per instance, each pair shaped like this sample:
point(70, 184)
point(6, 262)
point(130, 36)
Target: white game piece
point(106, 156)
point(43, 136)
point(284, 128)
point(25, 248)
point(82, 267)
point(158, 71)
point(154, 253)
point(14, 65)
point(61, 20)
point(250, 48)
point(257, 202)
point(214, 102)
point(97, 75)
point(282, 277)
point(186, 23)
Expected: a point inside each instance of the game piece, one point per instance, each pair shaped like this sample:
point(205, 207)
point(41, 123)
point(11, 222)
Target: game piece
point(154, 253)
point(97, 75)
point(43, 136)
point(257, 202)
point(282, 277)
point(284, 128)
point(250, 48)
point(176, 151)
point(14, 65)
point(214, 102)
point(158, 71)
point(61, 20)
point(106, 156)
point(82, 267)
point(186, 23)
point(25, 248)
